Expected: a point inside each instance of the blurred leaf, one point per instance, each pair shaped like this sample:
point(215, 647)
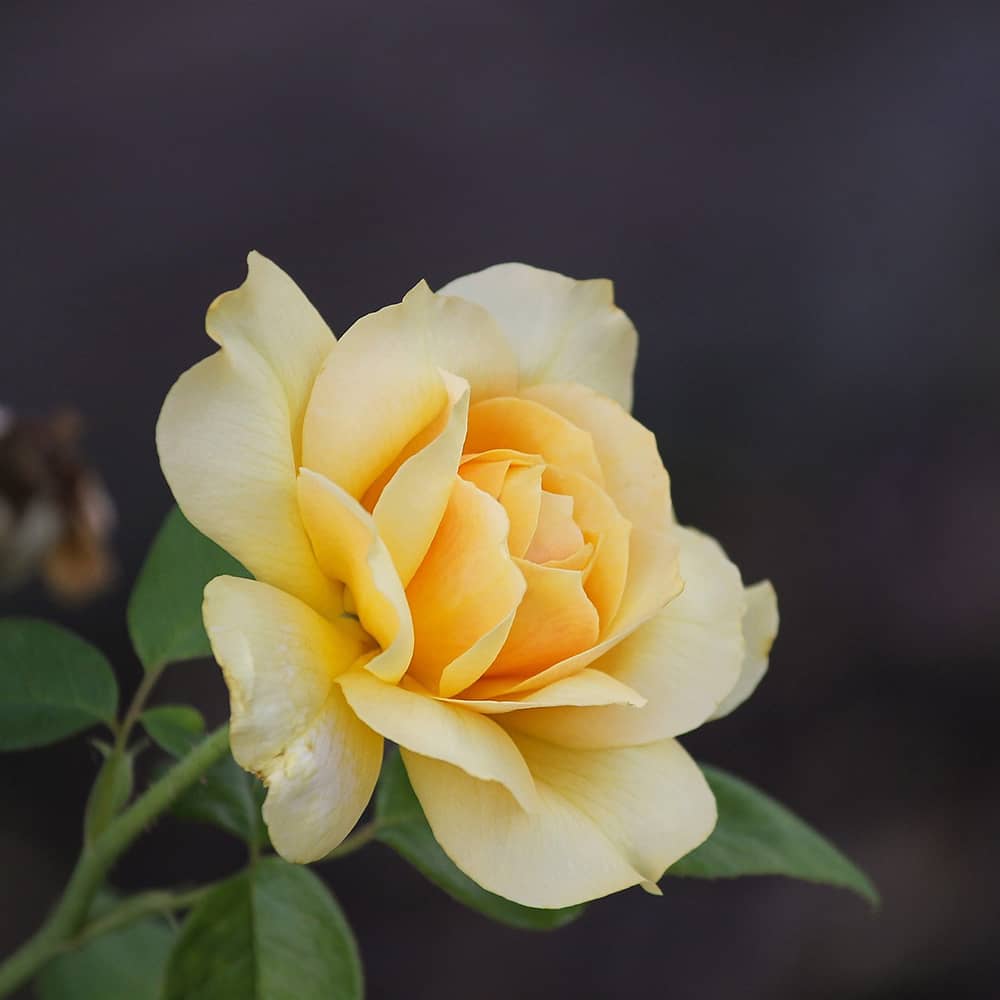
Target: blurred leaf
point(111, 790)
point(164, 611)
point(757, 836)
point(52, 684)
point(273, 932)
point(402, 825)
point(126, 964)
point(226, 796)
point(177, 729)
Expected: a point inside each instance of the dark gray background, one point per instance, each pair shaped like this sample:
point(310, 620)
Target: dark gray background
point(800, 206)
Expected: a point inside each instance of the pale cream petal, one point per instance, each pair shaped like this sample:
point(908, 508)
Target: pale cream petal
point(760, 627)
point(588, 687)
point(349, 548)
point(381, 384)
point(413, 502)
point(555, 620)
point(447, 732)
point(464, 339)
point(226, 449)
point(270, 313)
point(319, 787)
point(684, 660)
point(375, 393)
point(634, 476)
point(279, 658)
point(531, 427)
point(562, 330)
point(607, 820)
point(466, 587)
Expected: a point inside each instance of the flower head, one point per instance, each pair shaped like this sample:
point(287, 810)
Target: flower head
point(464, 543)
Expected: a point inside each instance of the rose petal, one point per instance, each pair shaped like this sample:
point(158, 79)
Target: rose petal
point(588, 687)
point(634, 476)
point(278, 657)
point(529, 426)
point(448, 732)
point(349, 548)
point(760, 626)
point(410, 508)
point(606, 820)
point(562, 330)
point(319, 787)
point(684, 660)
point(225, 444)
point(270, 313)
point(466, 587)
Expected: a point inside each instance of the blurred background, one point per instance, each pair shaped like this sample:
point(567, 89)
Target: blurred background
point(800, 207)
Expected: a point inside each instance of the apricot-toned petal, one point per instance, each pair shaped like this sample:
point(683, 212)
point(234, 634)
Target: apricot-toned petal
point(529, 426)
point(413, 502)
point(446, 732)
point(588, 687)
point(562, 330)
point(557, 536)
point(654, 581)
point(488, 476)
point(634, 475)
point(278, 657)
point(225, 444)
point(349, 548)
point(521, 497)
point(270, 313)
point(554, 620)
point(760, 627)
point(597, 516)
point(319, 787)
point(685, 660)
point(467, 584)
point(607, 820)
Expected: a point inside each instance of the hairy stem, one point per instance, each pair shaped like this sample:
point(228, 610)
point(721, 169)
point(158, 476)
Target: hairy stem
point(98, 857)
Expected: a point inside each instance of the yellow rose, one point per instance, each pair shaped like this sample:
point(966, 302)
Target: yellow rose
point(464, 543)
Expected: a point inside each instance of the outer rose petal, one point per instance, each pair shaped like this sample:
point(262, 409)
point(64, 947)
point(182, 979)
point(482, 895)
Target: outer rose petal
point(381, 385)
point(562, 330)
point(685, 660)
point(445, 731)
point(349, 548)
point(270, 312)
point(290, 724)
point(320, 786)
point(279, 658)
point(607, 819)
point(760, 626)
point(225, 443)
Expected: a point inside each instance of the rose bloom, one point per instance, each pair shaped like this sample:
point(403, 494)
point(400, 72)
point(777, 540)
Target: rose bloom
point(463, 543)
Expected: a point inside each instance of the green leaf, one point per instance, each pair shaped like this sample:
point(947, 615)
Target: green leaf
point(164, 611)
point(226, 796)
point(112, 789)
point(52, 684)
point(126, 964)
point(757, 836)
point(273, 932)
point(401, 824)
